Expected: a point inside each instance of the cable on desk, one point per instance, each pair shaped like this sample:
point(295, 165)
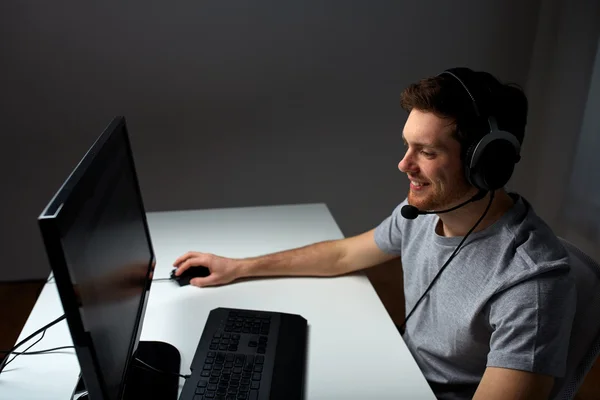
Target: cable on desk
point(34, 334)
point(37, 352)
point(158, 370)
point(13, 359)
point(48, 325)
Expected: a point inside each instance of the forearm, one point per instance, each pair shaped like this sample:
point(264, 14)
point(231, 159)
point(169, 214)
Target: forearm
point(318, 259)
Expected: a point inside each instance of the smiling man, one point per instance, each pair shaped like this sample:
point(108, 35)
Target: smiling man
point(496, 324)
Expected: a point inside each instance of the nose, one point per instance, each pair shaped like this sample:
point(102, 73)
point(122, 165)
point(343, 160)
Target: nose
point(407, 163)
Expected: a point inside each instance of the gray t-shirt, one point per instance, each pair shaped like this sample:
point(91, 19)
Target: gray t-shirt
point(506, 299)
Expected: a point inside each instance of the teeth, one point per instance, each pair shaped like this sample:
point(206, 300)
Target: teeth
point(416, 183)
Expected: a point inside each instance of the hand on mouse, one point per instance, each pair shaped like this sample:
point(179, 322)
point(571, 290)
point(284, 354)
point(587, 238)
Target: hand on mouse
point(222, 270)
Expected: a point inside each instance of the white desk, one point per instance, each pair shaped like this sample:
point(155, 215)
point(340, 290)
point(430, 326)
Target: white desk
point(355, 351)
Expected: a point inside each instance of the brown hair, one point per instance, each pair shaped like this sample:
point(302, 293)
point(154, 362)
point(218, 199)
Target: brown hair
point(444, 96)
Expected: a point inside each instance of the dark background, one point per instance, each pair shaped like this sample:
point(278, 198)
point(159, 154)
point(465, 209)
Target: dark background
point(238, 103)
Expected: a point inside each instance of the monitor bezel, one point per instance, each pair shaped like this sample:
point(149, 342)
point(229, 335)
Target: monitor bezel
point(50, 222)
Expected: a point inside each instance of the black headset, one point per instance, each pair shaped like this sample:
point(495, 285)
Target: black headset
point(490, 160)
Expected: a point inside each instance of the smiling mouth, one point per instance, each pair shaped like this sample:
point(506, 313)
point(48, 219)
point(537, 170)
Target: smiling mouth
point(418, 184)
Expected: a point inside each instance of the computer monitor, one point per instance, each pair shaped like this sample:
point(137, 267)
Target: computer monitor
point(99, 248)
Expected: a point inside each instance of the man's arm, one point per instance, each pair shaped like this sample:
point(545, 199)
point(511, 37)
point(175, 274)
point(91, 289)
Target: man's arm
point(512, 384)
point(328, 258)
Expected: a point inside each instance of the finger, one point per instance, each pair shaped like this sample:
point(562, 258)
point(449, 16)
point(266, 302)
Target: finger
point(184, 257)
point(199, 260)
point(189, 263)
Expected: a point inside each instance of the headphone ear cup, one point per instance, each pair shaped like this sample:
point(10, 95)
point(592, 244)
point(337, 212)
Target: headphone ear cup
point(471, 173)
point(495, 165)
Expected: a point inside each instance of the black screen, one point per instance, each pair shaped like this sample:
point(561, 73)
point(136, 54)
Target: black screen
point(109, 257)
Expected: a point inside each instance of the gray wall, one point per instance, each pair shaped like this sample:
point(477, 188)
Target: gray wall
point(231, 103)
point(560, 90)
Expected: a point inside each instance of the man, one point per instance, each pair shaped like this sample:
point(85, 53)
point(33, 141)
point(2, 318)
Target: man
point(496, 323)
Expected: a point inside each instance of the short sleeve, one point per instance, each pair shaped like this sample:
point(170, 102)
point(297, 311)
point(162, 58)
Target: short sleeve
point(531, 324)
point(388, 234)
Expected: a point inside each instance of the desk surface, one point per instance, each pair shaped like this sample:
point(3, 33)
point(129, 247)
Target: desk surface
point(354, 350)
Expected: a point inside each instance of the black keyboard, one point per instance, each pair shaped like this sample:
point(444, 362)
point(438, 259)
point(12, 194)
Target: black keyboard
point(249, 355)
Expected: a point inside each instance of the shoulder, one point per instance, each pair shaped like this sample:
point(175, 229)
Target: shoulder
point(533, 245)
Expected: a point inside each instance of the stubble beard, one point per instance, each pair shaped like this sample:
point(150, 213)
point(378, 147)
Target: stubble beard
point(437, 196)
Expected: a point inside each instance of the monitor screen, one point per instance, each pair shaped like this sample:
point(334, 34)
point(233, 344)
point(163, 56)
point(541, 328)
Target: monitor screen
point(100, 252)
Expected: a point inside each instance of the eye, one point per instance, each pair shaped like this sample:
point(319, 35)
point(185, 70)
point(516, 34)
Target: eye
point(427, 154)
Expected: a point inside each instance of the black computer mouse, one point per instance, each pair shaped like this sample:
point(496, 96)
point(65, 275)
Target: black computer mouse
point(189, 274)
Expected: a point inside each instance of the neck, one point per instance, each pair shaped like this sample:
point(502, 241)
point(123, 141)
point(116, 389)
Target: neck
point(460, 221)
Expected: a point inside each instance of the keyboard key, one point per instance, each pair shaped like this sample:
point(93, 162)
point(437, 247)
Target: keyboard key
point(249, 363)
point(261, 350)
point(258, 368)
point(200, 390)
point(209, 395)
point(253, 395)
point(214, 347)
point(255, 385)
point(213, 380)
point(245, 381)
point(202, 383)
point(256, 376)
point(198, 397)
point(239, 360)
point(244, 388)
point(205, 374)
point(209, 360)
point(241, 396)
point(207, 366)
point(260, 359)
point(212, 386)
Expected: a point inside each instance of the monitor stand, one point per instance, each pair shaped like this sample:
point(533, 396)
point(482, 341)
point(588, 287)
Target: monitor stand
point(144, 383)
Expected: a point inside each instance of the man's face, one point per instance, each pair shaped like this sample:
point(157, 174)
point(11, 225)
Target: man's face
point(432, 163)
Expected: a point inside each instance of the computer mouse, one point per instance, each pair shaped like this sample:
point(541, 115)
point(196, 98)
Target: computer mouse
point(189, 274)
